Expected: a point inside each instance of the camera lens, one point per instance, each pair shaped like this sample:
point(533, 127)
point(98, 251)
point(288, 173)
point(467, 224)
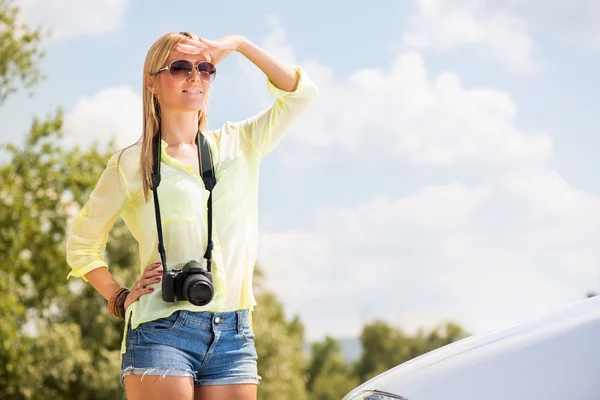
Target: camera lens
point(198, 290)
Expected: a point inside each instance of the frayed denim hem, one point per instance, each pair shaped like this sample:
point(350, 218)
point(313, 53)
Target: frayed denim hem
point(233, 380)
point(162, 372)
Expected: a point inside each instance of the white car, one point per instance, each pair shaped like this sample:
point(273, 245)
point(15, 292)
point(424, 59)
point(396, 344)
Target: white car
point(554, 357)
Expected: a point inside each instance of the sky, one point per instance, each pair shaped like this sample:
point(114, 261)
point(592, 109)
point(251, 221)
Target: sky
point(446, 172)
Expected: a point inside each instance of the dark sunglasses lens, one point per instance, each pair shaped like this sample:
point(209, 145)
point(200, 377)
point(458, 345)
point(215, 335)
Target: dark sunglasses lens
point(181, 69)
point(207, 71)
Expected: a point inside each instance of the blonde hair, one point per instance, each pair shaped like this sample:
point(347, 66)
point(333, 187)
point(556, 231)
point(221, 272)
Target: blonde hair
point(155, 59)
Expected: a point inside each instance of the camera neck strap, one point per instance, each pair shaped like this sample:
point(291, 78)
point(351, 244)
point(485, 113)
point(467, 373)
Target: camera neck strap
point(207, 171)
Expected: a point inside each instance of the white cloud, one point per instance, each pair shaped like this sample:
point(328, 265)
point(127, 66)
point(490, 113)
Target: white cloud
point(519, 243)
point(404, 114)
point(67, 18)
point(577, 22)
point(447, 26)
point(483, 256)
point(113, 113)
point(277, 43)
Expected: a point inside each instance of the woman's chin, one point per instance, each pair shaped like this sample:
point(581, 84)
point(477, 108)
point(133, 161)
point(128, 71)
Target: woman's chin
point(192, 105)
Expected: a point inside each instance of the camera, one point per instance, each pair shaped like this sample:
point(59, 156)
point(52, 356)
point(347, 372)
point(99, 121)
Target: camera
point(192, 283)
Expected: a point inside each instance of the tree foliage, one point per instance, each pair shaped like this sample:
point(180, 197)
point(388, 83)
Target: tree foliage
point(20, 51)
point(385, 346)
point(56, 335)
point(280, 347)
point(329, 376)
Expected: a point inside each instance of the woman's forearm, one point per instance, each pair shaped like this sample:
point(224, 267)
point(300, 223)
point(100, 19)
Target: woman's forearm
point(282, 75)
point(102, 281)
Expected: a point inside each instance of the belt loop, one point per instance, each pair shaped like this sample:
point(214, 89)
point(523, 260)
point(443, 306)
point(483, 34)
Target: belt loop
point(240, 325)
point(182, 317)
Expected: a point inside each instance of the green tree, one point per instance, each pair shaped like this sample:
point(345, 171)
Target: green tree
point(280, 348)
point(385, 346)
point(320, 353)
point(19, 51)
point(329, 377)
point(58, 339)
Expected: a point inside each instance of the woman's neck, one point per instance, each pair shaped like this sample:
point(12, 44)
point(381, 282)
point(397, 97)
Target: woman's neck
point(179, 127)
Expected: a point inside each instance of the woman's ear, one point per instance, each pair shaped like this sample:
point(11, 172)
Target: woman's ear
point(149, 82)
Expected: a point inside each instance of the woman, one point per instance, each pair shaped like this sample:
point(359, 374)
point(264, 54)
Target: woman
point(176, 348)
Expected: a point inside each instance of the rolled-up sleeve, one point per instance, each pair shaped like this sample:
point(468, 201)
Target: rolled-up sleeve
point(89, 229)
point(265, 130)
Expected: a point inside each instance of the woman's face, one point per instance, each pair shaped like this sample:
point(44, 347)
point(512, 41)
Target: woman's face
point(177, 91)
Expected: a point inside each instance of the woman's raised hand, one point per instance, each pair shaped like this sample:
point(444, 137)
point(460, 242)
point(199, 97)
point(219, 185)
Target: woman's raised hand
point(214, 51)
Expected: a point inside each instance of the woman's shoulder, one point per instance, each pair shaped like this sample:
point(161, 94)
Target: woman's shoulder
point(228, 128)
point(127, 158)
point(224, 134)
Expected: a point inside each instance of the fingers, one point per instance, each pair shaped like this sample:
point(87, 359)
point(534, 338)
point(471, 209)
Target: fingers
point(135, 294)
point(195, 46)
point(208, 43)
point(145, 283)
point(140, 289)
point(151, 276)
point(193, 42)
point(191, 48)
point(151, 267)
point(151, 272)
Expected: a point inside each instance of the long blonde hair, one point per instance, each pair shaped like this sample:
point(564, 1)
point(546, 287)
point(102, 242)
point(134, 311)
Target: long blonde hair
point(155, 59)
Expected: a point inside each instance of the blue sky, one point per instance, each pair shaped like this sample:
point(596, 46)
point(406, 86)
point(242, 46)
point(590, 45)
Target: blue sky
point(447, 170)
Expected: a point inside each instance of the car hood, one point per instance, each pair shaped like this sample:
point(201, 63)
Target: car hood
point(516, 356)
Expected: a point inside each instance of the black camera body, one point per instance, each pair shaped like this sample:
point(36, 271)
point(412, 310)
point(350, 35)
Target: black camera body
point(192, 283)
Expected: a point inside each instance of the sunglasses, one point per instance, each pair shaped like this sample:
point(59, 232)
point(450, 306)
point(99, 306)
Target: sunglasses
point(182, 69)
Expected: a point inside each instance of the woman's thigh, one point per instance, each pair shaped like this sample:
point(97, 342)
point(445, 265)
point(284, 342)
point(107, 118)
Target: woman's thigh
point(149, 387)
point(226, 392)
point(158, 361)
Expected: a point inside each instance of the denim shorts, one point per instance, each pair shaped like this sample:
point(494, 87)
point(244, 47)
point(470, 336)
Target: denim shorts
point(212, 348)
